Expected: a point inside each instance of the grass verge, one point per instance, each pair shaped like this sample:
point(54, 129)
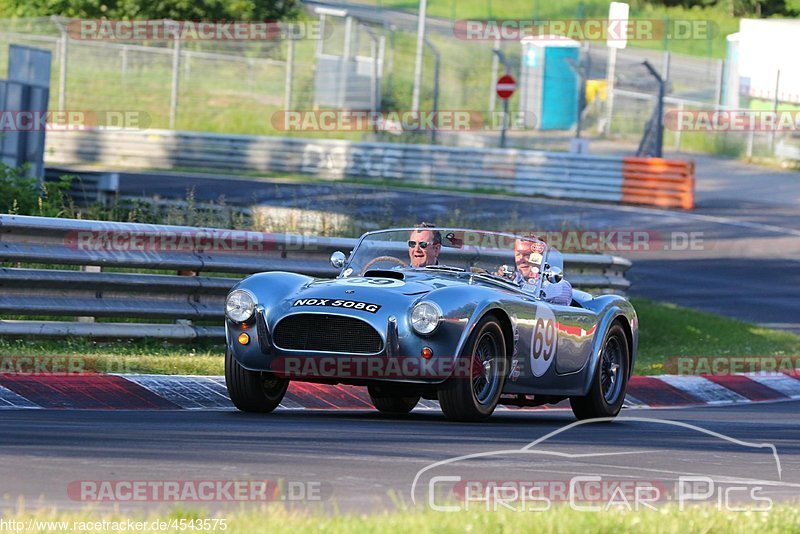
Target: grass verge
point(142, 356)
point(666, 331)
point(782, 518)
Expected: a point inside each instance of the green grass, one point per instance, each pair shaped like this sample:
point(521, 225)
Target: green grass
point(666, 331)
point(783, 518)
point(135, 356)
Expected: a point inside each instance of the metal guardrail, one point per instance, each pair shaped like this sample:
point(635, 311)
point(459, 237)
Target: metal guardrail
point(196, 294)
point(530, 172)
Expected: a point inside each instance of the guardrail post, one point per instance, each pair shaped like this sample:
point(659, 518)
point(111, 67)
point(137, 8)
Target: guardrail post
point(88, 269)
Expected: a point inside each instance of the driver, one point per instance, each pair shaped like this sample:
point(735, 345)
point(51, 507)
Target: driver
point(424, 245)
point(528, 260)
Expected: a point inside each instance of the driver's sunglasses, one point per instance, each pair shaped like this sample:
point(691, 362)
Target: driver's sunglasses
point(422, 244)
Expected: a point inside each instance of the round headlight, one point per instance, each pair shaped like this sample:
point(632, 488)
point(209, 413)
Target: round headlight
point(425, 318)
point(240, 305)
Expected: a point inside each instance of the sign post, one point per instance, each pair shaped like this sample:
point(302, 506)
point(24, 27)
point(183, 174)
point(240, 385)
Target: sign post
point(618, 16)
point(505, 87)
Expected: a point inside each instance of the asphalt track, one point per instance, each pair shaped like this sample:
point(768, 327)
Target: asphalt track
point(364, 462)
point(744, 264)
point(746, 267)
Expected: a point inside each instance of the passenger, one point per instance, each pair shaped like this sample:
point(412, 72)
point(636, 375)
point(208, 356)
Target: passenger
point(528, 260)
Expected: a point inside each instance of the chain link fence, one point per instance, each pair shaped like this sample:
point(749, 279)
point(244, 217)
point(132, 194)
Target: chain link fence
point(230, 86)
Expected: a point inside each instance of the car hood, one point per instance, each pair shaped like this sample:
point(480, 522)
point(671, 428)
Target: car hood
point(391, 295)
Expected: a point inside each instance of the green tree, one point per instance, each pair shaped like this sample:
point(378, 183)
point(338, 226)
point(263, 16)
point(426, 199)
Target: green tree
point(153, 9)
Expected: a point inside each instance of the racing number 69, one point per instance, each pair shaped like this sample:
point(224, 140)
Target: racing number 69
point(544, 339)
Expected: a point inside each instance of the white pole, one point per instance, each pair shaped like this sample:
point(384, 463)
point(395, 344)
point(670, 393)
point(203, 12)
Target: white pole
point(344, 66)
point(62, 71)
point(612, 67)
point(287, 89)
point(493, 78)
point(173, 97)
point(423, 4)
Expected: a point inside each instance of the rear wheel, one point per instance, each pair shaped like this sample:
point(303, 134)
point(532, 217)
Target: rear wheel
point(472, 393)
point(610, 380)
point(252, 391)
point(391, 403)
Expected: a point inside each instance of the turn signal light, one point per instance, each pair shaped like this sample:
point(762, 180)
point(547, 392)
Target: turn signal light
point(427, 353)
point(244, 339)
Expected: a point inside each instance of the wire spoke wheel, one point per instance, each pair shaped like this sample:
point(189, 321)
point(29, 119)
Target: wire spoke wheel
point(610, 368)
point(472, 393)
point(485, 375)
point(607, 393)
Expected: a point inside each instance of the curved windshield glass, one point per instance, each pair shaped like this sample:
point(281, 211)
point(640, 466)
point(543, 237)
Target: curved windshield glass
point(490, 255)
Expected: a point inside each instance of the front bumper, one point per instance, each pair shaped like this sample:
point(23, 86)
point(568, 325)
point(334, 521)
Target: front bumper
point(400, 359)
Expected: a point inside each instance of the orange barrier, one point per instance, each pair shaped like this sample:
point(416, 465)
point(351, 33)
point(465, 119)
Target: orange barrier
point(658, 182)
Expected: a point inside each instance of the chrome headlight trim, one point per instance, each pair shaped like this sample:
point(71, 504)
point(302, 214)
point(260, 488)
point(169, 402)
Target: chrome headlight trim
point(240, 305)
point(425, 317)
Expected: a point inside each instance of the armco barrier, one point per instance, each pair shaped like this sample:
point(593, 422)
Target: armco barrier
point(654, 181)
point(658, 182)
point(177, 300)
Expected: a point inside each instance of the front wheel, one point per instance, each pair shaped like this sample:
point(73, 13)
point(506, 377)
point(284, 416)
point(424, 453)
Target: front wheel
point(252, 391)
point(473, 391)
point(391, 404)
point(610, 380)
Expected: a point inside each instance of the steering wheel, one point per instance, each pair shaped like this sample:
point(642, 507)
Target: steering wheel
point(373, 261)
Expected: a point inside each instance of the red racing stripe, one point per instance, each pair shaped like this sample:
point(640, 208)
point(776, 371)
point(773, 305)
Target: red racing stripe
point(655, 392)
point(84, 392)
point(746, 387)
point(308, 395)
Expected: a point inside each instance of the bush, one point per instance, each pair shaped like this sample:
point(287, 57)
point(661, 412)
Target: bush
point(21, 194)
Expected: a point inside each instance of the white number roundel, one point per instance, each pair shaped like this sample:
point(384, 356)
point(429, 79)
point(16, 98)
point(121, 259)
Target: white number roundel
point(370, 282)
point(543, 341)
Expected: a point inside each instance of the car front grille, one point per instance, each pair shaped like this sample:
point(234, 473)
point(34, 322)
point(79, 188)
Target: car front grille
point(328, 333)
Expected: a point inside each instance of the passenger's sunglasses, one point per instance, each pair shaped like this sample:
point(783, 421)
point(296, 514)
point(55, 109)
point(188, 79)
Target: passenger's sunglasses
point(422, 244)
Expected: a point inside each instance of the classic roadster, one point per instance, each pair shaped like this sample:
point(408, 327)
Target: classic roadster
point(445, 318)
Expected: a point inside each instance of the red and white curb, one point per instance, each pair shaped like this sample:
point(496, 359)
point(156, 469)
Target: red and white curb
point(164, 392)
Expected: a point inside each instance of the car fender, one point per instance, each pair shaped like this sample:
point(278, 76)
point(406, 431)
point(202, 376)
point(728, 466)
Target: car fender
point(275, 284)
point(481, 310)
point(614, 307)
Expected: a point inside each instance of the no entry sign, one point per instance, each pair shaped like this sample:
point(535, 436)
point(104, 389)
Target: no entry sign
point(506, 85)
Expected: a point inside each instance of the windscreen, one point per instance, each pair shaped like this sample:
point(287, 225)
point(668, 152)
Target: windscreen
point(508, 257)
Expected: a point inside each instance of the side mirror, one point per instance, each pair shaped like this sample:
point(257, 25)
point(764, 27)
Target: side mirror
point(337, 259)
point(553, 273)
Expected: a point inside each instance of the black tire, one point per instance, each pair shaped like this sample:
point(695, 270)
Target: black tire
point(391, 404)
point(458, 396)
point(252, 391)
point(607, 393)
